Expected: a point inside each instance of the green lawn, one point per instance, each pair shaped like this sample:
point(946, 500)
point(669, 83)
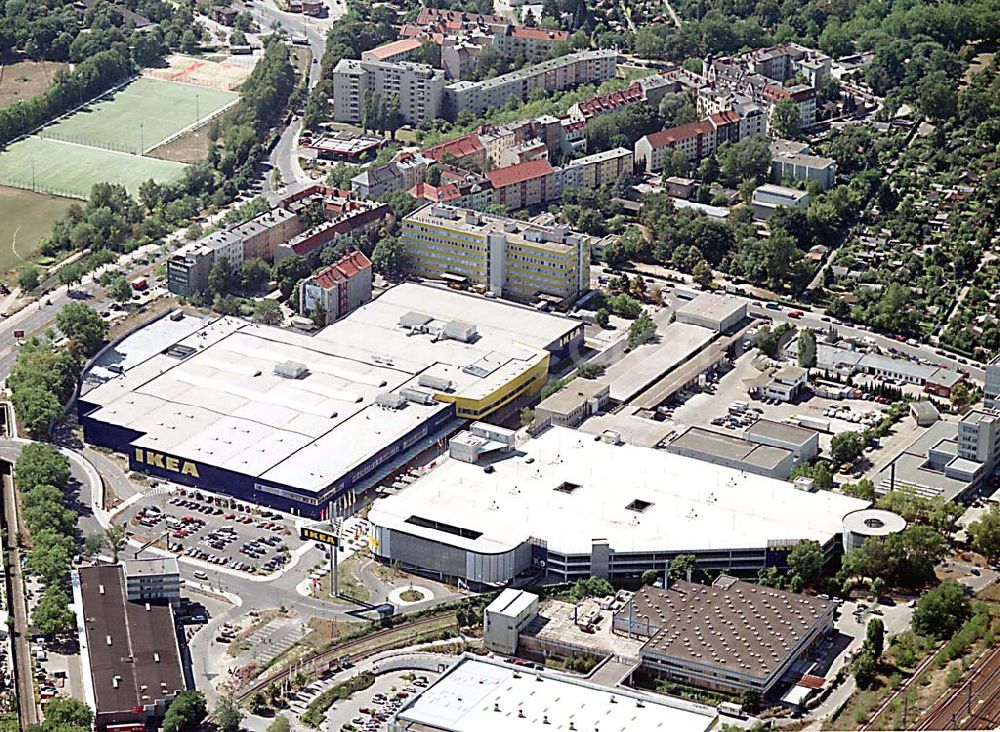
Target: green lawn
point(70, 170)
point(25, 219)
point(140, 116)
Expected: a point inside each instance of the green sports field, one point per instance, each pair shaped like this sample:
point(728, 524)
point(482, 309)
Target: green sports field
point(140, 116)
point(25, 219)
point(65, 169)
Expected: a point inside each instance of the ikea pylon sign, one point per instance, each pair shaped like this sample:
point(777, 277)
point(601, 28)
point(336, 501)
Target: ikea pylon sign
point(166, 462)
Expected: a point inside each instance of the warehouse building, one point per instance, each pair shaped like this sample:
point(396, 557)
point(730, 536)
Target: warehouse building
point(294, 421)
point(715, 312)
point(574, 507)
point(740, 454)
point(732, 636)
point(804, 443)
point(481, 694)
point(130, 653)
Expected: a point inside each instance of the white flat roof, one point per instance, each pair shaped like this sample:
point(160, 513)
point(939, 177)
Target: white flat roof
point(466, 698)
point(511, 602)
point(694, 505)
point(645, 364)
point(223, 404)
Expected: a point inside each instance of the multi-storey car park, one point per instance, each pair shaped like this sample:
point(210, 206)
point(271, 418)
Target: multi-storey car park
point(575, 507)
point(296, 422)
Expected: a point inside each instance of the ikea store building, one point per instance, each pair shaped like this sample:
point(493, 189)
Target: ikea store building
point(298, 422)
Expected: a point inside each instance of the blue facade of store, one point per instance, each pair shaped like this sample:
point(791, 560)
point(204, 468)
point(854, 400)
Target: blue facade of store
point(241, 486)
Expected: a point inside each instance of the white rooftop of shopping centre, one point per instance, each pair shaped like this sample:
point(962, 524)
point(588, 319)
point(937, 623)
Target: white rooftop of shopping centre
point(568, 489)
point(476, 695)
point(211, 395)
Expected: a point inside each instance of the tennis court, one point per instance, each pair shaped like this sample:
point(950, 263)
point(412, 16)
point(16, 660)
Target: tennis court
point(140, 116)
point(65, 169)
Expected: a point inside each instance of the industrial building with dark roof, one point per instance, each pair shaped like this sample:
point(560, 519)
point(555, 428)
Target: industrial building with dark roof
point(730, 636)
point(130, 650)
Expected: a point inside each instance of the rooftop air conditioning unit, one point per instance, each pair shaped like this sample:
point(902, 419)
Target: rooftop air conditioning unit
point(290, 370)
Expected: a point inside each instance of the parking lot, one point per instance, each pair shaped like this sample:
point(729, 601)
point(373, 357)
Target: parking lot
point(215, 530)
point(367, 711)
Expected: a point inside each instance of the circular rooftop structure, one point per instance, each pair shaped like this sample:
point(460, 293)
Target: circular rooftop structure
point(868, 523)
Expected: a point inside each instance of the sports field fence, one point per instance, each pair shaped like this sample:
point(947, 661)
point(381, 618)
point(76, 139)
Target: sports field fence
point(36, 187)
point(87, 142)
point(181, 76)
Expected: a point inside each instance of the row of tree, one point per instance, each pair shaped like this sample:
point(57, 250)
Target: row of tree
point(42, 477)
point(44, 377)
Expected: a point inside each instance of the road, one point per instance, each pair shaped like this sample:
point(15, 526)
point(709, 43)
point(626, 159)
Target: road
point(282, 157)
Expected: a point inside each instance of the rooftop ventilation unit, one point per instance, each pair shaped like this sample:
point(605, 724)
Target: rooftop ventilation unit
point(412, 319)
point(290, 370)
point(417, 395)
point(458, 330)
point(435, 382)
point(390, 400)
point(178, 351)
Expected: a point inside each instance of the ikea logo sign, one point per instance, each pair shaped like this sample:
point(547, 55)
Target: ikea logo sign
point(166, 462)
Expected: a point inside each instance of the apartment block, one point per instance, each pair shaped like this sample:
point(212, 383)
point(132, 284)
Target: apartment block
point(565, 72)
point(599, 169)
point(513, 259)
point(417, 88)
point(401, 173)
point(337, 290)
point(463, 37)
point(188, 268)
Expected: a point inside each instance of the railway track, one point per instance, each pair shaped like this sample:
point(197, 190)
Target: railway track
point(353, 650)
point(901, 690)
point(975, 704)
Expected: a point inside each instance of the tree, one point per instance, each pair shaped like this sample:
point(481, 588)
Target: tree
point(267, 312)
point(845, 447)
point(681, 565)
point(119, 289)
point(941, 610)
point(255, 274)
point(93, 544)
point(875, 637)
point(37, 408)
point(786, 119)
point(864, 667)
point(228, 714)
point(985, 534)
point(52, 614)
point(280, 724)
point(863, 489)
point(526, 416)
point(70, 274)
point(641, 330)
point(289, 271)
point(807, 348)
point(69, 711)
point(747, 159)
point(649, 577)
point(878, 587)
point(223, 277)
point(806, 560)
point(40, 464)
point(602, 317)
point(390, 257)
point(186, 712)
point(750, 700)
point(115, 536)
point(702, 274)
point(28, 278)
point(84, 326)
